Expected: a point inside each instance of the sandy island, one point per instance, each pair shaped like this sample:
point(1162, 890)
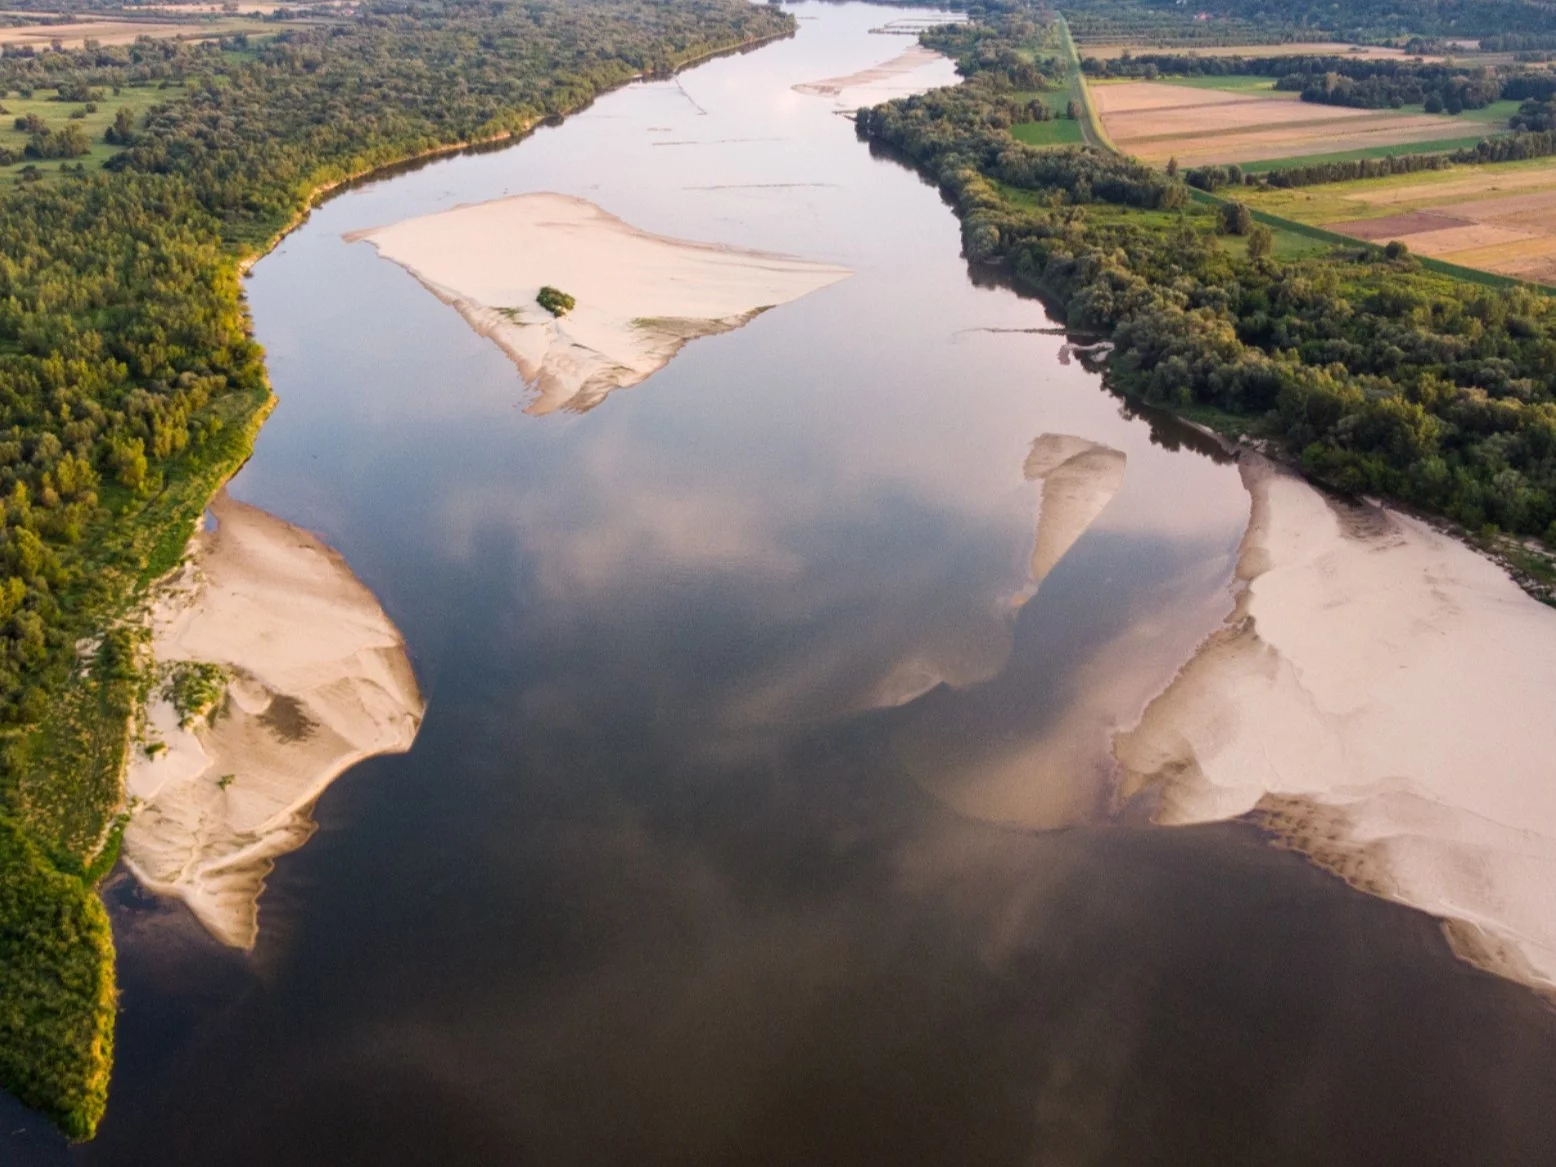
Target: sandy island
point(640, 297)
point(902, 76)
point(310, 677)
point(1380, 699)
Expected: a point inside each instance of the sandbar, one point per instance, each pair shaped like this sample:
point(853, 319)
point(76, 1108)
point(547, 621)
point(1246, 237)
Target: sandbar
point(1380, 699)
point(640, 297)
point(1079, 477)
point(904, 75)
point(314, 678)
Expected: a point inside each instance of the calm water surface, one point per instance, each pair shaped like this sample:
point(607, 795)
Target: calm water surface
point(671, 875)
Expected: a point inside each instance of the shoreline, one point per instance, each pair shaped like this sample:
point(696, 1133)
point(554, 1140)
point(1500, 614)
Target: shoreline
point(1343, 709)
point(292, 673)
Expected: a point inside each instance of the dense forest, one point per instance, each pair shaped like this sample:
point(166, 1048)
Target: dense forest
point(130, 386)
point(1380, 377)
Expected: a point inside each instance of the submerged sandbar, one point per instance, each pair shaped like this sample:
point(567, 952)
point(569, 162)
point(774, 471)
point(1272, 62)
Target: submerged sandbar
point(639, 297)
point(301, 675)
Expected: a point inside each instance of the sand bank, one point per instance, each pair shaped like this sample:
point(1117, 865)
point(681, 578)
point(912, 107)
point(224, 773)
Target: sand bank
point(640, 297)
point(1079, 478)
point(313, 678)
point(909, 72)
point(1381, 699)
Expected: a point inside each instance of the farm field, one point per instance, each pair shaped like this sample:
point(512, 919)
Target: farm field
point(123, 32)
point(1156, 120)
point(1498, 218)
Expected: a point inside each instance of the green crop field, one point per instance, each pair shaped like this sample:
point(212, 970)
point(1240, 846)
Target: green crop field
point(1054, 132)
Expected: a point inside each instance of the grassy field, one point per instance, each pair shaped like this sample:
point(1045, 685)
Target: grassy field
point(1093, 132)
point(57, 115)
point(1202, 213)
point(1054, 132)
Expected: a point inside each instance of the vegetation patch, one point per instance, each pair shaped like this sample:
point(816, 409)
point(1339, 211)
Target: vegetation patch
point(556, 302)
point(1059, 131)
point(56, 987)
point(195, 689)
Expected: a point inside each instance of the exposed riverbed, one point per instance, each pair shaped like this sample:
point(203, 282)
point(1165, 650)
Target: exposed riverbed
point(691, 861)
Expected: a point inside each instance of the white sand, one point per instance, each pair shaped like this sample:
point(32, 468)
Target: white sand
point(640, 297)
point(1079, 478)
point(320, 680)
point(909, 72)
point(1381, 698)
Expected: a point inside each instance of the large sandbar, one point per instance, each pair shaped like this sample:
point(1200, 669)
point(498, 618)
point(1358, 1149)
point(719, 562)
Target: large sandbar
point(1381, 699)
point(640, 297)
point(316, 678)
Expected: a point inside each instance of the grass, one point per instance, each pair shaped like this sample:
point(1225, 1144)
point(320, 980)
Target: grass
point(57, 115)
point(1054, 132)
point(1092, 131)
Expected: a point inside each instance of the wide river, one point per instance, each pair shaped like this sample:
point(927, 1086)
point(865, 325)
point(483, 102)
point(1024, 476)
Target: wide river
point(686, 865)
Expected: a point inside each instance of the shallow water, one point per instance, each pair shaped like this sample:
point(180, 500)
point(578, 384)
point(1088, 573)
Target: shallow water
point(680, 869)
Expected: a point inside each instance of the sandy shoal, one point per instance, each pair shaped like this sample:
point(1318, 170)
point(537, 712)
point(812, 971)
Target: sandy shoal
point(904, 75)
point(1079, 477)
point(640, 297)
point(319, 680)
point(1381, 700)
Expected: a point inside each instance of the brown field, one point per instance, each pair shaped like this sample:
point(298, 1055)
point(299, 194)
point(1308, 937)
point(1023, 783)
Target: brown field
point(1499, 218)
point(1156, 121)
point(1322, 49)
point(121, 32)
point(1514, 235)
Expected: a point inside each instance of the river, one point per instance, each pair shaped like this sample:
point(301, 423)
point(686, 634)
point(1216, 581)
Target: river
point(689, 864)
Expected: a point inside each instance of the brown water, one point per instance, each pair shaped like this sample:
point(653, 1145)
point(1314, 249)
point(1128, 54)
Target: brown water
point(668, 877)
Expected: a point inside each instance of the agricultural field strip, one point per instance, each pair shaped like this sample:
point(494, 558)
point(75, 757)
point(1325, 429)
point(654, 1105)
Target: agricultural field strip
point(119, 32)
point(1500, 219)
point(1156, 120)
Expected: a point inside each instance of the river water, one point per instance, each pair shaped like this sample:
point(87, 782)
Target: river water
point(688, 864)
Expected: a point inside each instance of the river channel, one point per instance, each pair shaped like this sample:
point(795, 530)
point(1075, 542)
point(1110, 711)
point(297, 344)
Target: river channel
point(701, 855)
